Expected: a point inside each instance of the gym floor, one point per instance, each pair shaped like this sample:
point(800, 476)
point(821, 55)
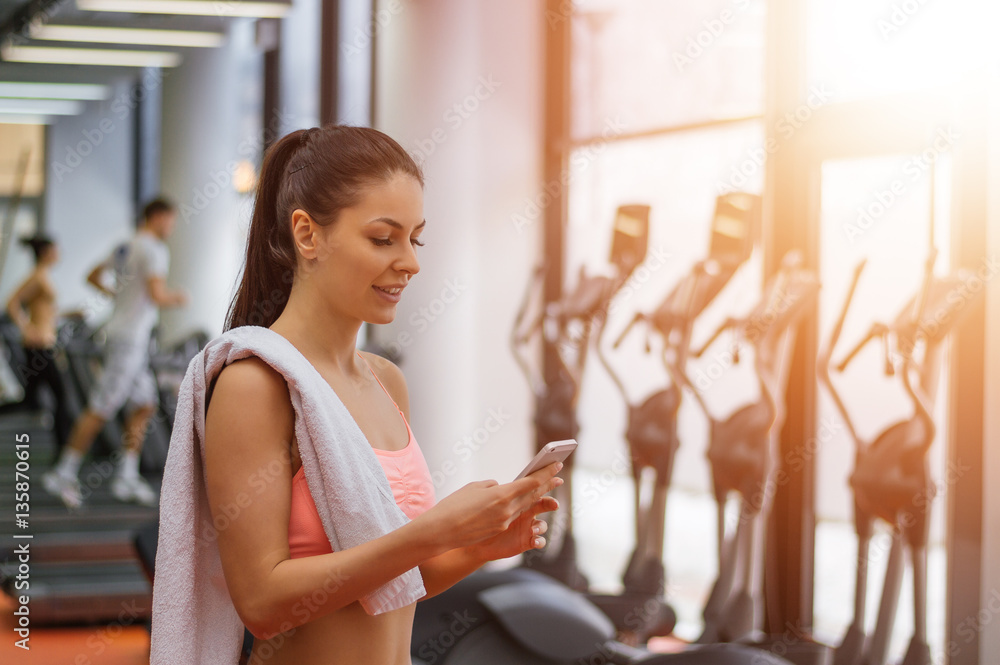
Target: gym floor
point(88, 645)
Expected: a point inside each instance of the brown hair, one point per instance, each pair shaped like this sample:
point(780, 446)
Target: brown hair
point(38, 244)
point(321, 171)
point(155, 207)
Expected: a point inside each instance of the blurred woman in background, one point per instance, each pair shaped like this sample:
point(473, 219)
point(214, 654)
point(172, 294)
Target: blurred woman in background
point(32, 307)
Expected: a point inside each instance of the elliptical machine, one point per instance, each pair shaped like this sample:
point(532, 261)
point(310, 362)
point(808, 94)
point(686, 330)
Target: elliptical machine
point(742, 449)
point(891, 478)
point(567, 329)
point(652, 424)
point(520, 616)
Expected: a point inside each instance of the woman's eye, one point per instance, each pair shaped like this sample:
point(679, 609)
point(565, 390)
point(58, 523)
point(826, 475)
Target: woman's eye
point(381, 242)
point(417, 242)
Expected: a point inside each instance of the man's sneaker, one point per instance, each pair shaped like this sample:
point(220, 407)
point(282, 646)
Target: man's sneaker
point(67, 489)
point(133, 489)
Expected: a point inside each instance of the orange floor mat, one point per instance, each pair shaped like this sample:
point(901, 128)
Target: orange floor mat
point(90, 645)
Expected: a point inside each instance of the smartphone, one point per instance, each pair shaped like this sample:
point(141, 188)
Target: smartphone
point(554, 451)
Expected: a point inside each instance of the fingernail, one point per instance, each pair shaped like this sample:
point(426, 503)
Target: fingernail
point(559, 467)
point(535, 530)
point(538, 542)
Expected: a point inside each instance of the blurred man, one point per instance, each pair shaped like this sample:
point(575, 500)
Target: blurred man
point(140, 268)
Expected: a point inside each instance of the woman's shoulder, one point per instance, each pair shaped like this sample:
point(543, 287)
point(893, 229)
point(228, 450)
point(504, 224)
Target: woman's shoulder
point(34, 278)
point(249, 399)
point(390, 375)
point(28, 289)
point(250, 382)
point(45, 281)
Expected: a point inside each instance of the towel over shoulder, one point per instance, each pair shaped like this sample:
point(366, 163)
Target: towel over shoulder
point(194, 620)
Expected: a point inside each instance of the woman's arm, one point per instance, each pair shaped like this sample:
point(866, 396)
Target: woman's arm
point(30, 334)
point(249, 429)
point(15, 305)
point(447, 569)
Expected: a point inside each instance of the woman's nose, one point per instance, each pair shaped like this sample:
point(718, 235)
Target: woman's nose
point(409, 263)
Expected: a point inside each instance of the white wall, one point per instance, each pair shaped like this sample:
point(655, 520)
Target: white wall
point(211, 120)
point(88, 193)
point(481, 166)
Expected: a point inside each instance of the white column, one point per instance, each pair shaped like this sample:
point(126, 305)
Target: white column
point(299, 67)
point(460, 87)
point(211, 121)
point(88, 193)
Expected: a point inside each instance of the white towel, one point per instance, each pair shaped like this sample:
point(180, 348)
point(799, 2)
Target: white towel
point(194, 620)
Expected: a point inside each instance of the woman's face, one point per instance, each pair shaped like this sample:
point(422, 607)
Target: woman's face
point(49, 255)
point(368, 255)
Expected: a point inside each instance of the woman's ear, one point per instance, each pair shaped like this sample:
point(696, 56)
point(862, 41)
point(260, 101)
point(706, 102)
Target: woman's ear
point(305, 233)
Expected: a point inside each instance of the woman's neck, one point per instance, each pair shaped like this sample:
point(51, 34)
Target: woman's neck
point(322, 336)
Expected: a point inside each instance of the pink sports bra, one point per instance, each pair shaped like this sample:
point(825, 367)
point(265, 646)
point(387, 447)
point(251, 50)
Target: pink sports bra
point(408, 476)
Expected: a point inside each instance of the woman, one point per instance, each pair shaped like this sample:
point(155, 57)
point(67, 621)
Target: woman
point(332, 244)
point(33, 309)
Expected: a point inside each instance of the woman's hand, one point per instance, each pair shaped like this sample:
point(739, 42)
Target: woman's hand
point(524, 533)
point(486, 510)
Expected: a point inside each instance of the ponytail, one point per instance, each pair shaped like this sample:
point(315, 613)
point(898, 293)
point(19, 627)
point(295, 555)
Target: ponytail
point(270, 258)
point(320, 171)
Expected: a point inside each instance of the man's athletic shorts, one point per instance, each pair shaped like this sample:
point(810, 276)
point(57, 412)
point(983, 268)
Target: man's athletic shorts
point(126, 379)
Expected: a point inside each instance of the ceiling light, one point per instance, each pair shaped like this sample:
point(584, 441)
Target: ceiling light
point(86, 56)
point(110, 35)
point(41, 106)
point(221, 8)
point(87, 91)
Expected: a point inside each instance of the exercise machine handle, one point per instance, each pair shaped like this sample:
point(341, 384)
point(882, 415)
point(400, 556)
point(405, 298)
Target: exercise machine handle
point(876, 330)
point(823, 364)
point(728, 323)
point(639, 316)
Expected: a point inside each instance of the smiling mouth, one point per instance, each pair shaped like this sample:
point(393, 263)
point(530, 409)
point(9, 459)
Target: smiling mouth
point(392, 292)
